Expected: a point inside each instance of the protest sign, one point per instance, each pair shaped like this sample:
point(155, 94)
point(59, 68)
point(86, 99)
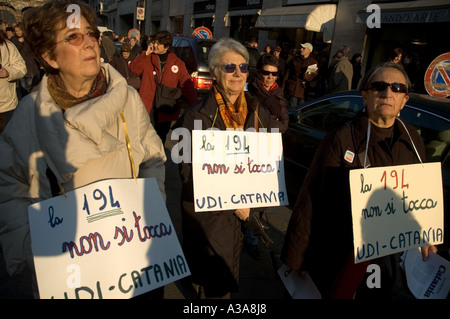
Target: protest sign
point(237, 169)
point(396, 208)
point(110, 239)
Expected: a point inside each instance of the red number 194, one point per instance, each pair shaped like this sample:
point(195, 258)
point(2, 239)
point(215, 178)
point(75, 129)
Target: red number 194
point(395, 176)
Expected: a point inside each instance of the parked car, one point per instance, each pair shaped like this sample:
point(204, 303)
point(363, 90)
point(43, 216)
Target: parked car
point(311, 121)
point(194, 52)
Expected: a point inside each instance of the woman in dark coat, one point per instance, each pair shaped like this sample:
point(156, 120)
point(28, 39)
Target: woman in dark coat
point(212, 241)
point(121, 61)
point(319, 238)
point(265, 88)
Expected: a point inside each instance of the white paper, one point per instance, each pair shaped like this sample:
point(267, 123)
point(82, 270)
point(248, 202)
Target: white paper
point(237, 169)
point(299, 287)
point(312, 68)
point(110, 239)
point(427, 279)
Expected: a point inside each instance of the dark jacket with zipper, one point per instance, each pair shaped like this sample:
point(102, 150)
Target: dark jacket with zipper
point(212, 240)
point(319, 238)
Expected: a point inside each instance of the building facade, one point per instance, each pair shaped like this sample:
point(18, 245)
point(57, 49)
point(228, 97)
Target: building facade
point(372, 28)
point(418, 27)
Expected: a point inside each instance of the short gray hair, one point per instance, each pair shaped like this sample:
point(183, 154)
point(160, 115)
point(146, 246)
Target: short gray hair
point(220, 48)
point(365, 82)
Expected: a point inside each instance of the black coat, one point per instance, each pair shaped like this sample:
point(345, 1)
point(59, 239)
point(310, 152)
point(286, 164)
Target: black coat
point(212, 240)
point(274, 101)
point(319, 238)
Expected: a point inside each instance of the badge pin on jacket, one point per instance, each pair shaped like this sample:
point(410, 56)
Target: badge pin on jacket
point(349, 156)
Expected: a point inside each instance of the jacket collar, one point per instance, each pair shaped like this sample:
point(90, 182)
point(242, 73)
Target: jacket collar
point(208, 107)
point(361, 123)
point(59, 133)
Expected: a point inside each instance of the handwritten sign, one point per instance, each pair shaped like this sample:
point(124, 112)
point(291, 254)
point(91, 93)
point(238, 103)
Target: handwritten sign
point(396, 208)
point(110, 239)
point(237, 169)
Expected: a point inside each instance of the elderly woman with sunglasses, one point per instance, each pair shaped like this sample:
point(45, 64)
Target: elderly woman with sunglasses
point(73, 131)
point(212, 241)
point(319, 236)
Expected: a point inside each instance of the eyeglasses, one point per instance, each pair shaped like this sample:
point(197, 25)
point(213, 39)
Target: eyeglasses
point(78, 37)
point(266, 73)
point(231, 67)
point(381, 86)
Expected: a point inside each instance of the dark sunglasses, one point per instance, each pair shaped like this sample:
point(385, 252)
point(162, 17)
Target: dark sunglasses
point(266, 73)
point(78, 37)
point(231, 67)
point(381, 86)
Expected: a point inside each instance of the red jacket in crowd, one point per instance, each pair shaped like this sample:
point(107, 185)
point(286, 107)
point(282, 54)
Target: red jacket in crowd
point(174, 74)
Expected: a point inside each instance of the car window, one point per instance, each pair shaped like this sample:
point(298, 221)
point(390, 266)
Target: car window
point(330, 114)
point(203, 51)
point(435, 131)
point(184, 51)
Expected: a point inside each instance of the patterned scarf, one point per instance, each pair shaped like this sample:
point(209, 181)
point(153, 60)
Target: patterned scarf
point(65, 100)
point(233, 117)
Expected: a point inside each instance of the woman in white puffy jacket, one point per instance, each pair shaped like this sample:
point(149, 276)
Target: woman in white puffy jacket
point(12, 68)
point(70, 132)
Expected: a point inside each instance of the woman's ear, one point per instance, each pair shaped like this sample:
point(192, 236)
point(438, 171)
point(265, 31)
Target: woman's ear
point(49, 60)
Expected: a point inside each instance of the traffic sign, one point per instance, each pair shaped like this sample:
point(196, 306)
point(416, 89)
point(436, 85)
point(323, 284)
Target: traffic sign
point(203, 33)
point(140, 13)
point(437, 76)
point(134, 33)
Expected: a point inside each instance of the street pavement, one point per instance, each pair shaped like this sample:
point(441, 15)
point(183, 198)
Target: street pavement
point(258, 277)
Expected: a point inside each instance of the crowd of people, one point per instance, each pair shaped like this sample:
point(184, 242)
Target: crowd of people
point(81, 122)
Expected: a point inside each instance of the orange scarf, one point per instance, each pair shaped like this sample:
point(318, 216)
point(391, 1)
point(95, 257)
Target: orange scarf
point(233, 117)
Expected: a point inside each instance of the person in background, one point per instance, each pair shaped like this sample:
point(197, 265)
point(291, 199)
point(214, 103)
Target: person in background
point(342, 74)
point(268, 92)
point(158, 63)
point(267, 50)
point(26, 83)
point(136, 48)
point(9, 32)
point(396, 56)
point(212, 241)
point(356, 63)
point(71, 132)
point(281, 64)
point(121, 61)
point(12, 68)
point(302, 69)
point(319, 237)
point(108, 45)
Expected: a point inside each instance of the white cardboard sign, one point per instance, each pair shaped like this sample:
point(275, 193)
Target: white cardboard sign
point(396, 208)
point(110, 239)
point(237, 169)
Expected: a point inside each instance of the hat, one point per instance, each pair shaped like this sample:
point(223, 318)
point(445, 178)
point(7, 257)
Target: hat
point(308, 46)
point(277, 48)
point(125, 48)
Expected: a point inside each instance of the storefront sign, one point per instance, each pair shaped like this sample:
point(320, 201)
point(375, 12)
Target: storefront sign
point(396, 208)
point(110, 239)
point(237, 169)
point(437, 76)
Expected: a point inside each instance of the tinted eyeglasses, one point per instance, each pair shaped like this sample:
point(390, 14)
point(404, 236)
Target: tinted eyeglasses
point(231, 67)
point(266, 73)
point(77, 38)
point(381, 86)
